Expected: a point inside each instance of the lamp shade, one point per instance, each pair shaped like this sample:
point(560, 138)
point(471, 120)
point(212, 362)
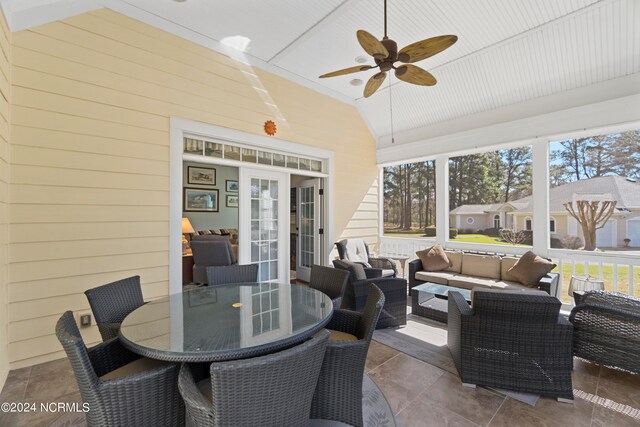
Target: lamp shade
point(585, 283)
point(186, 226)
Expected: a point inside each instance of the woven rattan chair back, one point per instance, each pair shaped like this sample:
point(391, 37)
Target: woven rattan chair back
point(330, 281)
point(272, 390)
point(145, 398)
point(237, 273)
point(112, 302)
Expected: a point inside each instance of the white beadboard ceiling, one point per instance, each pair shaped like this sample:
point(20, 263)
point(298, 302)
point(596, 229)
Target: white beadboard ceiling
point(508, 52)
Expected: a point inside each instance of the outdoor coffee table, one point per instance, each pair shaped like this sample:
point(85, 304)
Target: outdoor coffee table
point(430, 300)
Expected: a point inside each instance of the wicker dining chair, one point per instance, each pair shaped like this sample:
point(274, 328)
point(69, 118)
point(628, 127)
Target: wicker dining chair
point(120, 387)
point(237, 273)
point(606, 329)
point(338, 394)
point(112, 302)
point(271, 390)
point(330, 281)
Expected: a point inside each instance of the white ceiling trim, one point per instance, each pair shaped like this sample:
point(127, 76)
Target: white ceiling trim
point(334, 14)
point(22, 18)
point(587, 115)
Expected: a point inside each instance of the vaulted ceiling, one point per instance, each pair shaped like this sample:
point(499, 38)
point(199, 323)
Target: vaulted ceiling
point(508, 52)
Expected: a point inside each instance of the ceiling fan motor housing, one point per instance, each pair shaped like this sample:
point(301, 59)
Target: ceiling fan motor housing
point(386, 64)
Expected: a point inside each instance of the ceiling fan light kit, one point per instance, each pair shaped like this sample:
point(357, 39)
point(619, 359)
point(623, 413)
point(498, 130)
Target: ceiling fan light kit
point(385, 54)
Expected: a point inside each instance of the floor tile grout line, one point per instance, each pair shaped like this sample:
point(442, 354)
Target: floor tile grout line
point(499, 407)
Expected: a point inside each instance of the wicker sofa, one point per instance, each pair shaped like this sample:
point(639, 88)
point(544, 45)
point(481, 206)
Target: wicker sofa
point(469, 270)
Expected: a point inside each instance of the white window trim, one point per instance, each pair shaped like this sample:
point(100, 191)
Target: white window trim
point(179, 128)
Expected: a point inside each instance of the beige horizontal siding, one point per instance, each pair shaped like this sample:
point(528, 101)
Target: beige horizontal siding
point(5, 117)
point(89, 199)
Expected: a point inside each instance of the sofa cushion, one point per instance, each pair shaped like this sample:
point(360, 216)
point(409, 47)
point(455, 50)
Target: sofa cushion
point(470, 282)
point(487, 266)
point(455, 261)
point(356, 270)
point(441, 277)
point(433, 258)
point(530, 268)
point(507, 263)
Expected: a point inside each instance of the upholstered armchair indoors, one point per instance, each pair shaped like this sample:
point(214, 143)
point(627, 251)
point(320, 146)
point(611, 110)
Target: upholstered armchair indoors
point(120, 387)
point(208, 253)
point(356, 250)
point(112, 302)
point(514, 340)
point(394, 312)
point(606, 329)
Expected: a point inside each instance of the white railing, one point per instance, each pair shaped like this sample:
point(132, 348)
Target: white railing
point(619, 270)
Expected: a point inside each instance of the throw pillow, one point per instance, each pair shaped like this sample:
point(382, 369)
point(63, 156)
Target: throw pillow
point(433, 259)
point(530, 268)
point(356, 270)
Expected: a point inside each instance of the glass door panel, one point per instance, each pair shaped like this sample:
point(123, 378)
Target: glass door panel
point(308, 208)
point(266, 243)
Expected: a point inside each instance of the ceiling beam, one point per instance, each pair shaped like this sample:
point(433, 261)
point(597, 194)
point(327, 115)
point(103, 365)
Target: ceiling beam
point(338, 11)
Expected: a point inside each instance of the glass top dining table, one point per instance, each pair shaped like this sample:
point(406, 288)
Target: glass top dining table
point(217, 323)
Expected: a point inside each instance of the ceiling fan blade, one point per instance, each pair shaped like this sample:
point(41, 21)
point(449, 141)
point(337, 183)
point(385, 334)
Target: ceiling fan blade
point(374, 83)
point(424, 49)
point(415, 75)
point(372, 45)
point(348, 71)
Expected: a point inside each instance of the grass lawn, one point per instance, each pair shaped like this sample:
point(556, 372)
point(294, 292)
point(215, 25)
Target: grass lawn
point(607, 276)
point(464, 238)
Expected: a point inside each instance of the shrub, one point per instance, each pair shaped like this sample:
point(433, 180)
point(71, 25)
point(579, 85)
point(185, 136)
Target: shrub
point(494, 232)
point(466, 231)
point(556, 243)
point(572, 242)
point(431, 232)
point(453, 233)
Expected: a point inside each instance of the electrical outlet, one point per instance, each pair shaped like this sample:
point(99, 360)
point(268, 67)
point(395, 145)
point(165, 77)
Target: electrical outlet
point(85, 319)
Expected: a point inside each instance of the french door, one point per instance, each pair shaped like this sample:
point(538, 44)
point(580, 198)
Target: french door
point(264, 222)
point(308, 211)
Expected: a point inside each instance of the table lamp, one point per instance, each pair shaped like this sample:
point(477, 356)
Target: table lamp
point(186, 228)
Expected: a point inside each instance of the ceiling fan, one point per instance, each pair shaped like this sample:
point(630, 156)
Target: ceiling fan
point(385, 53)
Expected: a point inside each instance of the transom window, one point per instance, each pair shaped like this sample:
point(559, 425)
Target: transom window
point(231, 151)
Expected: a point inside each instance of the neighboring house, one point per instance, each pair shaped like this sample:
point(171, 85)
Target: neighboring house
point(518, 214)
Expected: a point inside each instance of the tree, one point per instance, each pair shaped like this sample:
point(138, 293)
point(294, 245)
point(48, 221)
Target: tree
point(517, 174)
point(591, 215)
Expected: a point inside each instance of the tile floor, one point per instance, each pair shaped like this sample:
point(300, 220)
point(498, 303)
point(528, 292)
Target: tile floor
point(420, 395)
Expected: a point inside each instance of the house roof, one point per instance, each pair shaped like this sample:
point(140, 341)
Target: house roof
point(624, 191)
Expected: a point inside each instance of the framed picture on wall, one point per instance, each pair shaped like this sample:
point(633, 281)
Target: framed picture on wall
point(232, 201)
point(232, 186)
point(201, 176)
point(200, 200)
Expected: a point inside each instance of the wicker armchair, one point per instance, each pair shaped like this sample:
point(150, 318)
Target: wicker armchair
point(606, 329)
point(512, 340)
point(338, 395)
point(356, 250)
point(112, 302)
point(331, 281)
point(207, 253)
point(394, 312)
point(146, 397)
point(272, 390)
point(237, 273)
